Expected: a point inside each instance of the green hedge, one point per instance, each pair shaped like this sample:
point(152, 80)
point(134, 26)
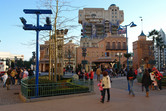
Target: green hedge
point(45, 80)
point(163, 81)
point(50, 88)
point(54, 90)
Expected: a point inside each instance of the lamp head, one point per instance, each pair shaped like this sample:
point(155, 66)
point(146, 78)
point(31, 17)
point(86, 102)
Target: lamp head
point(133, 25)
point(119, 28)
point(23, 20)
point(48, 21)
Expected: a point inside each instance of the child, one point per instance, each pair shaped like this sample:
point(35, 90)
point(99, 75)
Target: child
point(101, 89)
point(86, 76)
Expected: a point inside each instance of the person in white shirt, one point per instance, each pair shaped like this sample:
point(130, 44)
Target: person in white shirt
point(4, 78)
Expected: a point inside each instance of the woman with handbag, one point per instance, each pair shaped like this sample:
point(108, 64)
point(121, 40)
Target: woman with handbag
point(106, 84)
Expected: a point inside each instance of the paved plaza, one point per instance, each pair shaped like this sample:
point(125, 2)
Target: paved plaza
point(120, 100)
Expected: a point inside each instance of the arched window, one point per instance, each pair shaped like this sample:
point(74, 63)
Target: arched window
point(108, 45)
point(113, 45)
point(124, 45)
point(119, 45)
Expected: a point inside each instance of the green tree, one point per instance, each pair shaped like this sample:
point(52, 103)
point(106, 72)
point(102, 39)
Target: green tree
point(20, 63)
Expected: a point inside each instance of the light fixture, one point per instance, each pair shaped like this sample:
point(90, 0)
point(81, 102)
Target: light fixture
point(48, 21)
point(119, 28)
point(132, 24)
point(23, 20)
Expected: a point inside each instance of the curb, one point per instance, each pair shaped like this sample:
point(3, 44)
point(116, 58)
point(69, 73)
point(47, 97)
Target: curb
point(25, 100)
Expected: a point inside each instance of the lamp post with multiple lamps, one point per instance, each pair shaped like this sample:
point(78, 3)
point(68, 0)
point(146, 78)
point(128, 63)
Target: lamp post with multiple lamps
point(37, 28)
point(121, 28)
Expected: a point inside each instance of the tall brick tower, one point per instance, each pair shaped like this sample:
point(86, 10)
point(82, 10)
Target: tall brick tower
point(143, 53)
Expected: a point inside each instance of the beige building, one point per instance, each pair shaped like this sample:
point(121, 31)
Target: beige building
point(97, 22)
point(70, 55)
point(67, 48)
point(104, 51)
point(44, 57)
point(8, 55)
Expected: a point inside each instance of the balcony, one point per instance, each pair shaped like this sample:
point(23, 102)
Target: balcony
point(115, 49)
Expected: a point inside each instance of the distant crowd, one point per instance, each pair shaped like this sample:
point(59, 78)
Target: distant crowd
point(14, 76)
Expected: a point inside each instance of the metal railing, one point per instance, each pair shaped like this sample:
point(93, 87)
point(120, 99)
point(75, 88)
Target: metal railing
point(56, 89)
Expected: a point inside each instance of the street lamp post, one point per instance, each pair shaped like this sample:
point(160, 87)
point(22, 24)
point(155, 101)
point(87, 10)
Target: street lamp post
point(84, 55)
point(119, 55)
point(37, 28)
point(120, 28)
point(69, 57)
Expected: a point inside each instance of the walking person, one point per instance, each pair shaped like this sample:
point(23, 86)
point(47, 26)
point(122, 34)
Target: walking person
point(146, 81)
point(8, 82)
point(159, 77)
point(25, 73)
point(130, 77)
point(106, 86)
point(13, 76)
point(154, 82)
point(91, 74)
point(4, 78)
point(98, 72)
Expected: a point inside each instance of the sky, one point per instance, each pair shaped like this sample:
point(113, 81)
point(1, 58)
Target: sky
point(17, 41)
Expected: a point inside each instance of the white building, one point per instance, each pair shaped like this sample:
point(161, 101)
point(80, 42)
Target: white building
point(8, 55)
point(160, 55)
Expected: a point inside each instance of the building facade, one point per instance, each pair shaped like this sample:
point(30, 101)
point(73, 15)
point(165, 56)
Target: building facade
point(8, 55)
point(143, 52)
point(70, 56)
point(69, 51)
point(160, 55)
point(104, 51)
point(97, 22)
point(103, 43)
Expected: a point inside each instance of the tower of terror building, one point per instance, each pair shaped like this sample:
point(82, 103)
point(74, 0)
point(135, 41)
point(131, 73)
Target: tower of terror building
point(97, 22)
point(100, 37)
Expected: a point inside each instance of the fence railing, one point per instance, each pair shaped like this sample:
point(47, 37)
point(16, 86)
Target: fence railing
point(56, 89)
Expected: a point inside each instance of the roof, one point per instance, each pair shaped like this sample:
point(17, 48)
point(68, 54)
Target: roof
point(142, 34)
point(112, 5)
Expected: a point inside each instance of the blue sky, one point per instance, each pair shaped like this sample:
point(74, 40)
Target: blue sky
point(13, 37)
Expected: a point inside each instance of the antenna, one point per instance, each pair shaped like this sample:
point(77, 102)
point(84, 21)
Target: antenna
point(141, 22)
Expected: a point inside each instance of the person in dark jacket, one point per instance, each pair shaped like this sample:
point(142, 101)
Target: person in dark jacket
point(146, 81)
point(130, 77)
point(30, 72)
